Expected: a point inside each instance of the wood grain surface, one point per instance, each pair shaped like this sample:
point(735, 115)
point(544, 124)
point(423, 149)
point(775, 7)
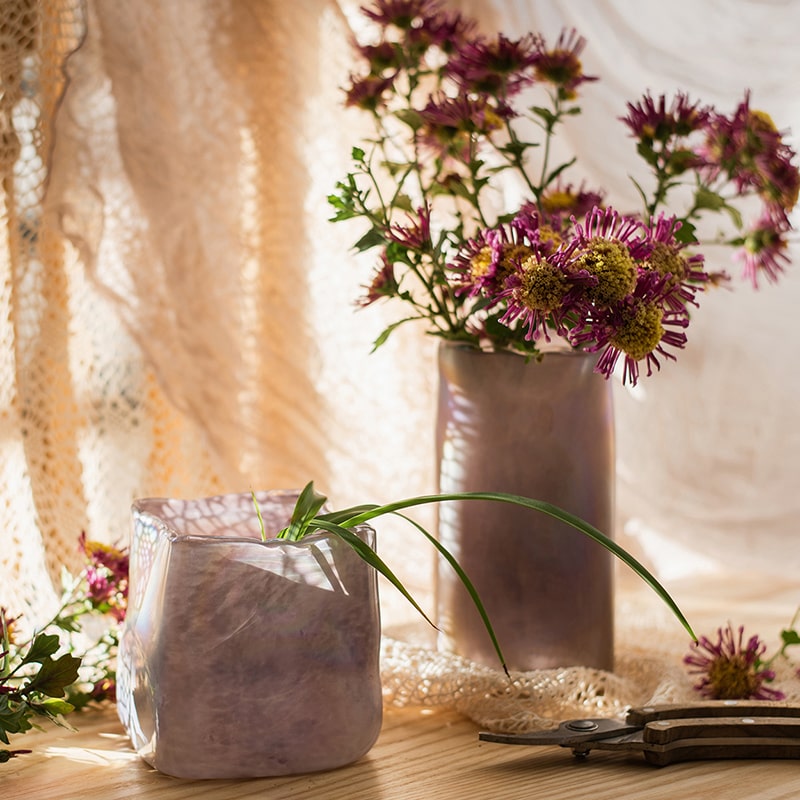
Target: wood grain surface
point(422, 754)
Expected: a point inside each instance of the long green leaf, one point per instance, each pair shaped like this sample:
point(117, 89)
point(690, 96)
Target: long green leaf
point(546, 508)
point(371, 557)
point(468, 585)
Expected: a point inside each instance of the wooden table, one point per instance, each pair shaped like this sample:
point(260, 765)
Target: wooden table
point(431, 754)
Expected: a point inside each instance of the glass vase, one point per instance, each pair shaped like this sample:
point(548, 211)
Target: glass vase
point(242, 658)
point(542, 429)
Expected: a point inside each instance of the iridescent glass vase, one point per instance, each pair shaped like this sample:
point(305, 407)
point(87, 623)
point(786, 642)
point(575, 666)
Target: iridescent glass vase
point(244, 658)
point(542, 429)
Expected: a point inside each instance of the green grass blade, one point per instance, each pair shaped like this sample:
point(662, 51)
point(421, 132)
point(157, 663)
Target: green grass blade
point(468, 585)
point(363, 550)
point(537, 505)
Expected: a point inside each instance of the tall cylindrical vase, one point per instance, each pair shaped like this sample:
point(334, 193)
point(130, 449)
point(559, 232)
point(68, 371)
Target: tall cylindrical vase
point(543, 429)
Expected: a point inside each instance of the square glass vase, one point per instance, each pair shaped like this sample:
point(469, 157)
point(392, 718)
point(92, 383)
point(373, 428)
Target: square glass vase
point(241, 657)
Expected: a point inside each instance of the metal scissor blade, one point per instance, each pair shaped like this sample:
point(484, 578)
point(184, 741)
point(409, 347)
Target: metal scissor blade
point(574, 731)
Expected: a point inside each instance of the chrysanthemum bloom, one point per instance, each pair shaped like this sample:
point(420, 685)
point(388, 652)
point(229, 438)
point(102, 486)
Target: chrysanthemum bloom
point(765, 245)
point(638, 328)
point(750, 150)
point(417, 235)
point(368, 93)
point(608, 248)
point(562, 200)
point(561, 66)
point(383, 283)
point(402, 14)
point(685, 274)
point(106, 575)
point(650, 120)
point(499, 67)
point(543, 293)
point(483, 263)
point(451, 125)
point(729, 669)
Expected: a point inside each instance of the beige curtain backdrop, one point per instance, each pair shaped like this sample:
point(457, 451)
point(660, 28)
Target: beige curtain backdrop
point(178, 314)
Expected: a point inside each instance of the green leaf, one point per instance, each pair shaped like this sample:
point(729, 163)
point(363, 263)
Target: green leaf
point(542, 507)
point(363, 550)
point(706, 198)
point(558, 170)
point(55, 707)
point(545, 114)
point(686, 233)
point(308, 504)
point(13, 719)
point(372, 238)
point(790, 637)
point(44, 646)
point(54, 676)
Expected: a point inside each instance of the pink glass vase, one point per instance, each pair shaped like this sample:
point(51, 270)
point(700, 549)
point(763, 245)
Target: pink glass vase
point(543, 430)
point(241, 658)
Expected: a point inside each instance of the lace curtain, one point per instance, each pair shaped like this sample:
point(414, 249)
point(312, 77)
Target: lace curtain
point(178, 315)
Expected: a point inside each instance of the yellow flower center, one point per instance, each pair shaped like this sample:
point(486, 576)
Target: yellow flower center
point(479, 263)
point(640, 334)
point(611, 263)
point(558, 200)
point(732, 678)
point(666, 260)
point(543, 285)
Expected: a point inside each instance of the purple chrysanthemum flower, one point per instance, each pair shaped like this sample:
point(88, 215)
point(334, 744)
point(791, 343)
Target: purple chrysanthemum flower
point(383, 284)
point(499, 67)
point(416, 235)
point(561, 201)
point(106, 576)
point(637, 328)
point(685, 274)
point(609, 247)
point(402, 14)
point(451, 124)
point(368, 93)
point(729, 669)
point(765, 244)
point(749, 149)
point(651, 120)
point(543, 293)
point(561, 65)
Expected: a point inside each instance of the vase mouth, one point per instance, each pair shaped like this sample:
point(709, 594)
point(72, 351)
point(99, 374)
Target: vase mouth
point(229, 519)
point(547, 349)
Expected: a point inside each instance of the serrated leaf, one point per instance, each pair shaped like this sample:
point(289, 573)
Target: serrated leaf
point(55, 675)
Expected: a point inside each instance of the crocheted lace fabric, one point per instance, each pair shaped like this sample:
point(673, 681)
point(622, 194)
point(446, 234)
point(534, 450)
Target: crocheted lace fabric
point(176, 313)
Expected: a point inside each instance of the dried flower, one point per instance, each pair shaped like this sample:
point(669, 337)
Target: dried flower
point(453, 112)
point(731, 669)
point(106, 575)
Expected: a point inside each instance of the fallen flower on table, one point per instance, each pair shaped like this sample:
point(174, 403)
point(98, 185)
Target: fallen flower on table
point(730, 668)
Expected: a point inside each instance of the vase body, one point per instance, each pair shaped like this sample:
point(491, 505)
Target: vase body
point(242, 658)
point(544, 430)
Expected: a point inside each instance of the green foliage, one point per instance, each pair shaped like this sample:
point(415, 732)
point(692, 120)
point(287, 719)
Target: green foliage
point(31, 682)
point(306, 520)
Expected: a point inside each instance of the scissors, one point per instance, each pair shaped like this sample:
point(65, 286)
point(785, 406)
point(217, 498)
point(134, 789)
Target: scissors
point(666, 734)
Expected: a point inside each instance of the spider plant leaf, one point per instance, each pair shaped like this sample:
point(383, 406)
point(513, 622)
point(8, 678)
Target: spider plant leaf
point(542, 507)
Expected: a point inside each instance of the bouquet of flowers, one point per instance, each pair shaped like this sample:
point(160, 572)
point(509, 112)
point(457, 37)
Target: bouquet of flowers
point(452, 110)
